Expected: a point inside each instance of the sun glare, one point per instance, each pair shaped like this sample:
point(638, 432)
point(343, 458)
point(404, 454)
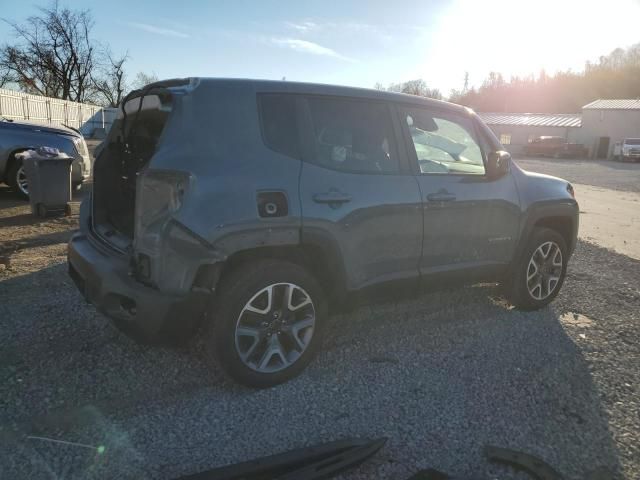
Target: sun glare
point(525, 37)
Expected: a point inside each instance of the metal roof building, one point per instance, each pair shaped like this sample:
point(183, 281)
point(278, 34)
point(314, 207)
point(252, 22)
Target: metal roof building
point(533, 119)
point(607, 122)
point(602, 124)
point(615, 104)
point(515, 130)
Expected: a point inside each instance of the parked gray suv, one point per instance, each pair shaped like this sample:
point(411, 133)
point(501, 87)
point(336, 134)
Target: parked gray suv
point(16, 137)
point(248, 208)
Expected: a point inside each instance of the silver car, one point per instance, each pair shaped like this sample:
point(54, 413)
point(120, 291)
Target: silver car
point(19, 136)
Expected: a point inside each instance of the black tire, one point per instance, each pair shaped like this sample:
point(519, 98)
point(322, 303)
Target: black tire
point(12, 178)
point(518, 292)
point(234, 294)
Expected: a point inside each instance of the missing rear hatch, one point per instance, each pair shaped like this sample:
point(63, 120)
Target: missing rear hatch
point(131, 144)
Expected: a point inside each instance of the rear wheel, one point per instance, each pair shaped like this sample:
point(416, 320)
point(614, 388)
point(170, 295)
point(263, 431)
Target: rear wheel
point(17, 179)
point(267, 323)
point(539, 274)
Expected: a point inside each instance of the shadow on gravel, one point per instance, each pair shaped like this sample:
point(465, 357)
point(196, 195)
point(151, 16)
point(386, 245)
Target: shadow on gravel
point(40, 240)
point(441, 375)
point(8, 199)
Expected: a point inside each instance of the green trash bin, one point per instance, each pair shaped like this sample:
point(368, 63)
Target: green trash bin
point(48, 174)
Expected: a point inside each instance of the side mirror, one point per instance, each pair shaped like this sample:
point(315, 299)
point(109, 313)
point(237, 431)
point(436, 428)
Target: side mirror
point(498, 164)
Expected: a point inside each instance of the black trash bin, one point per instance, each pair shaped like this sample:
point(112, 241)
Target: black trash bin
point(48, 174)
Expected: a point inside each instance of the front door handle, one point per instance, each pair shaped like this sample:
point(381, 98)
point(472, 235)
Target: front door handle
point(332, 197)
point(441, 197)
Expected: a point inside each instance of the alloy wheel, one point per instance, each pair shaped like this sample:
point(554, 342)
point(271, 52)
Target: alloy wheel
point(544, 270)
point(275, 327)
point(21, 181)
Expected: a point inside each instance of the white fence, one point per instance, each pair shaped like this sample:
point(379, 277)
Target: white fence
point(53, 111)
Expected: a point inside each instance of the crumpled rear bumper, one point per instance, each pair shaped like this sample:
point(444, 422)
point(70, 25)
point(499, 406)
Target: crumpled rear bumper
point(140, 311)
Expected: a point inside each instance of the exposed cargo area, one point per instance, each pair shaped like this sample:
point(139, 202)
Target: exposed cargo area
point(127, 151)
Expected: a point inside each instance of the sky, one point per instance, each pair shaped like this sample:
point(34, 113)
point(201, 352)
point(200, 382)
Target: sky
point(356, 43)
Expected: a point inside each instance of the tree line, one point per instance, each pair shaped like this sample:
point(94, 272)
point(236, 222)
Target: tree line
point(417, 87)
point(54, 54)
point(616, 75)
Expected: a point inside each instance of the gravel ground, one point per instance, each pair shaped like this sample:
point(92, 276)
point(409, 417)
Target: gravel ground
point(599, 173)
point(440, 375)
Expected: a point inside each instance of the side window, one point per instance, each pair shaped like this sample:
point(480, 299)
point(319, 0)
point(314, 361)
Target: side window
point(444, 143)
point(279, 123)
point(352, 135)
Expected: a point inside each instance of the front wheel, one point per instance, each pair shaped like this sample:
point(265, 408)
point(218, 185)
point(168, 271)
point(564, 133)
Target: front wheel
point(17, 179)
point(539, 273)
point(267, 323)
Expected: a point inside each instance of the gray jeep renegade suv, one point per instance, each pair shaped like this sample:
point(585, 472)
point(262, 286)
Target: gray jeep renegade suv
point(249, 207)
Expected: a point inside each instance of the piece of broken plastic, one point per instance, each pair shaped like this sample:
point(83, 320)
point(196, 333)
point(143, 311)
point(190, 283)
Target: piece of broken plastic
point(316, 462)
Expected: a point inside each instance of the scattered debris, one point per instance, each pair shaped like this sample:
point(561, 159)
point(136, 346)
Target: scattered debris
point(576, 320)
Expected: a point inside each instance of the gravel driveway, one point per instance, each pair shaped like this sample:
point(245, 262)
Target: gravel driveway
point(599, 173)
point(440, 375)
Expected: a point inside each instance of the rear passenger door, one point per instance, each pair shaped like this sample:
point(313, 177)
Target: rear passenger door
point(356, 190)
point(470, 220)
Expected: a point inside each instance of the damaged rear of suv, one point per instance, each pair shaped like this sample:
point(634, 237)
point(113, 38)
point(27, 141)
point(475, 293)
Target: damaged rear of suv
point(134, 258)
point(248, 207)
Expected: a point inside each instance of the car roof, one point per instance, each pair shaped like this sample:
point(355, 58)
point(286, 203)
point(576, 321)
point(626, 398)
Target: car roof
point(272, 86)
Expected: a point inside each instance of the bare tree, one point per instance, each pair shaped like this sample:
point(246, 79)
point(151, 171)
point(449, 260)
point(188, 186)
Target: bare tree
point(5, 79)
point(143, 79)
point(110, 82)
point(416, 87)
point(54, 54)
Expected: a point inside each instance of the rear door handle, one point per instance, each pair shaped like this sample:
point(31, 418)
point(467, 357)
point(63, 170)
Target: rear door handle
point(441, 197)
point(332, 196)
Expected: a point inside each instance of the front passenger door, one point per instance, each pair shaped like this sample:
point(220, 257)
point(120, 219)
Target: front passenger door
point(470, 220)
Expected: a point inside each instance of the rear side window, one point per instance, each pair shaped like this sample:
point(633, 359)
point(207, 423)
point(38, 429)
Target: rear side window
point(279, 123)
point(352, 135)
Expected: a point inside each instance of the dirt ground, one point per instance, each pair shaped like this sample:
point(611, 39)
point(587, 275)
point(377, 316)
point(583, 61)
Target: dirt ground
point(440, 375)
point(610, 218)
point(609, 197)
point(28, 244)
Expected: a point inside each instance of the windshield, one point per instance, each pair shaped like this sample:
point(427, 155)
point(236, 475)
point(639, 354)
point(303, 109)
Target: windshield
point(632, 141)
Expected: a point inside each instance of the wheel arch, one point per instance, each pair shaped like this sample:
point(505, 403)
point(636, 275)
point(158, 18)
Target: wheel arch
point(560, 217)
point(561, 224)
point(11, 159)
point(322, 260)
